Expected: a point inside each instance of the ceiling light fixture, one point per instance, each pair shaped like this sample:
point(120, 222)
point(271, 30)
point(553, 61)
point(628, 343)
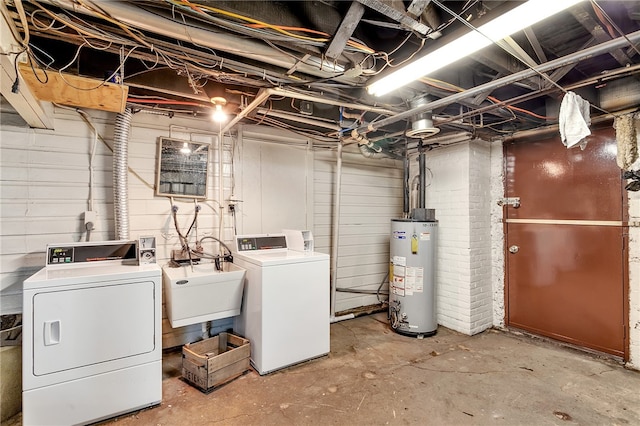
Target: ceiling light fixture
point(516, 19)
point(185, 149)
point(219, 116)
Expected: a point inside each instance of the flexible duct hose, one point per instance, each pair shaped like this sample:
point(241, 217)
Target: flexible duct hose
point(120, 173)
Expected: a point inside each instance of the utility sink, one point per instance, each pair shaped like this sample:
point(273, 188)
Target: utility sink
point(200, 293)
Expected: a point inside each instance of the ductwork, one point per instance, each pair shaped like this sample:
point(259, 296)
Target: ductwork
point(371, 151)
point(422, 124)
point(120, 173)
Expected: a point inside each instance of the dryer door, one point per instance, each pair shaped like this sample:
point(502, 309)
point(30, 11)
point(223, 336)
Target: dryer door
point(92, 325)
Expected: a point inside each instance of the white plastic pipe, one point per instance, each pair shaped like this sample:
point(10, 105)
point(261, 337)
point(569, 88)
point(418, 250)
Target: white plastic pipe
point(336, 231)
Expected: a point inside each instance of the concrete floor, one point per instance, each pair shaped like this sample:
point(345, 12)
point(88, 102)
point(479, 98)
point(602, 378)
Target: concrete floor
point(375, 376)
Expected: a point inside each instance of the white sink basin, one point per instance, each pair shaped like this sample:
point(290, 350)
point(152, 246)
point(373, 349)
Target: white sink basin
point(202, 293)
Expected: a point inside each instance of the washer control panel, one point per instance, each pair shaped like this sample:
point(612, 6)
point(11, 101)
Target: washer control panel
point(247, 243)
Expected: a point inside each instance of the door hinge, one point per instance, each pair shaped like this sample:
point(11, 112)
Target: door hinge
point(510, 201)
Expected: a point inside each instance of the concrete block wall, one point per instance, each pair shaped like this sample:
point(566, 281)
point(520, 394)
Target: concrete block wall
point(480, 236)
point(459, 193)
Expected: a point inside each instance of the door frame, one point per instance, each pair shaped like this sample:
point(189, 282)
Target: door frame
point(624, 248)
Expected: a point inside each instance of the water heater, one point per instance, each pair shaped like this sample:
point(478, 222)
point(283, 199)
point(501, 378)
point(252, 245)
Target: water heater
point(412, 295)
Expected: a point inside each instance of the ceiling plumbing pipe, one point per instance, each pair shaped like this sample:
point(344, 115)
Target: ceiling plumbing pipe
point(422, 166)
point(221, 208)
point(120, 173)
point(405, 181)
point(134, 16)
point(327, 101)
point(297, 118)
point(265, 94)
point(587, 53)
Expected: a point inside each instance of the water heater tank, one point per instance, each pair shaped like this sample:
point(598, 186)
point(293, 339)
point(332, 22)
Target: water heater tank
point(412, 295)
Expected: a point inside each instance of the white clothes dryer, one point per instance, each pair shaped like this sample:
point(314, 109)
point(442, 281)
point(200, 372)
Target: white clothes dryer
point(285, 307)
point(92, 342)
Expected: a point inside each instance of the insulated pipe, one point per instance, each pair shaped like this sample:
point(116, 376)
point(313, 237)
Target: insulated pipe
point(587, 53)
point(241, 46)
point(120, 173)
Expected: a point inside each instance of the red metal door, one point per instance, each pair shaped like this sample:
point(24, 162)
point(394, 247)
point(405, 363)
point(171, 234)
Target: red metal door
point(566, 243)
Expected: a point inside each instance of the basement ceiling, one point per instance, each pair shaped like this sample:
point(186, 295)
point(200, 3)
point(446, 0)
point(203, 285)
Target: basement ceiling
point(305, 65)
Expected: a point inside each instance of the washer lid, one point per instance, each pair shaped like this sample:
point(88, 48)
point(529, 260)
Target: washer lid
point(274, 258)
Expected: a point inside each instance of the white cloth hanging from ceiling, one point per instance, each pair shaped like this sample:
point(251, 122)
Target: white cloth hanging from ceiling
point(575, 120)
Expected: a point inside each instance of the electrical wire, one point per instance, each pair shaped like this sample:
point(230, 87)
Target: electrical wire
point(257, 24)
point(453, 88)
point(611, 22)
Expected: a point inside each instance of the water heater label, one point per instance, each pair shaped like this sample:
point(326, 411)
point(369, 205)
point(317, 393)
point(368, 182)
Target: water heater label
point(398, 281)
point(425, 236)
point(400, 235)
point(399, 260)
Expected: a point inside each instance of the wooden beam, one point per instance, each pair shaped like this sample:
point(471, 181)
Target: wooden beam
point(72, 90)
point(416, 7)
point(33, 112)
point(345, 30)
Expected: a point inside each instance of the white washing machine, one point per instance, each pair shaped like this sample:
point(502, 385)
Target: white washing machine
point(92, 335)
point(285, 307)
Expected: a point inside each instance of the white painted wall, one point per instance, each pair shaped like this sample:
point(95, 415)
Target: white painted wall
point(281, 180)
point(371, 195)
point(44, 184)
point(275, 176)
point(460, 193)
point(44, 189)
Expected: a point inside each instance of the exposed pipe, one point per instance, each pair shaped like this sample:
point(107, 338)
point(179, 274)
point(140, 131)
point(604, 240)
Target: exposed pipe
point(335, 237)
point(242, 46)
point(504, 81)
point(265, 94)
point(422, 166)
point(298, 119)
point(543, 131)
point(326, 101)
point(405, 181)
point(120, 173)
point(221, 189)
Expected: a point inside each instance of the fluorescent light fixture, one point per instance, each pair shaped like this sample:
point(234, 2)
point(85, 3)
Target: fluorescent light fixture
point(219, 115)
point(516, 19)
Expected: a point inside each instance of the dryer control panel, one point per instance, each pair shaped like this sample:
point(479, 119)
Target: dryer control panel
point(65, 254)
point(245, 243)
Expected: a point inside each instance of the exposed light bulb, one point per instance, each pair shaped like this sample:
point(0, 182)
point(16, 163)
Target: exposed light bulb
point(218, 114)
point(185, 149)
